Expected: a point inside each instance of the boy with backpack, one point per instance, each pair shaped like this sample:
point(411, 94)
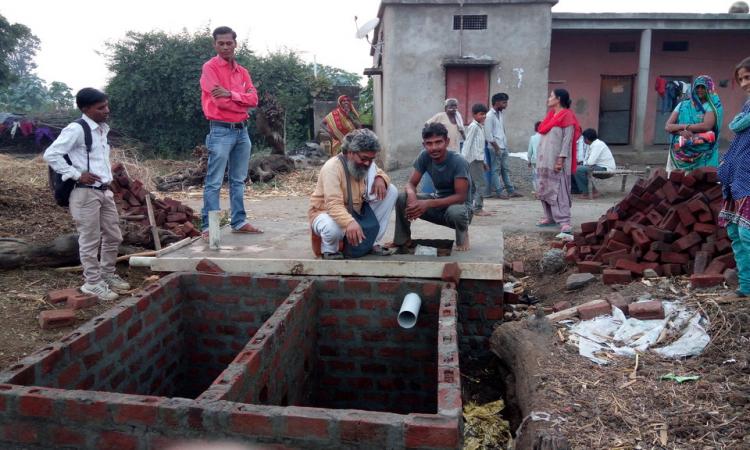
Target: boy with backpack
point(81, 153)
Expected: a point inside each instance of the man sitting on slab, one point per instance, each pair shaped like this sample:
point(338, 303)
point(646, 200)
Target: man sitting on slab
point(450, 205)
point(353, 198)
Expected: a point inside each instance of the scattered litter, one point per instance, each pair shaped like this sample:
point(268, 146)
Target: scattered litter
point(601, 338)
point(484, 427)
point(564, 236)
point(423, 250)
point(730, 361)
point(679, 379)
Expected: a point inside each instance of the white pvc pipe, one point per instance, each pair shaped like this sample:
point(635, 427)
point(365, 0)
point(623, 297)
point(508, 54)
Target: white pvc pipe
point(407, 317)
point(214, 229)
point(141, 261)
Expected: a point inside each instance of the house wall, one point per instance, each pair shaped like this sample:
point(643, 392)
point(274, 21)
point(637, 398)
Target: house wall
point(417, 38)
point(580, 58)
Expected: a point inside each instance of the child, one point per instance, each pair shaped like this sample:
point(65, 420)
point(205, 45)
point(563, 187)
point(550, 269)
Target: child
point(531, 154)
point(473, 152)
point(734, 174)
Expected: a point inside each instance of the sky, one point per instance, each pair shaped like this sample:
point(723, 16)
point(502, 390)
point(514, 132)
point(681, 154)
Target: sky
point(322, 31)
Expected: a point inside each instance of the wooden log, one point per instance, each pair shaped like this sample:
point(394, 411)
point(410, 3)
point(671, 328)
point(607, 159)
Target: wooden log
point(520, 346)
point(152, 222)
point(119, 259)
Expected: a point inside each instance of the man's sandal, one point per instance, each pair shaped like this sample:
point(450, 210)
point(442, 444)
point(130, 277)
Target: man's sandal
point(379, 250)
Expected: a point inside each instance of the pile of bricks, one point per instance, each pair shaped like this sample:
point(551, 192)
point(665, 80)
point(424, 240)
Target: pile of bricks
point(173, 219)
point(73, 299)
point(667, 224)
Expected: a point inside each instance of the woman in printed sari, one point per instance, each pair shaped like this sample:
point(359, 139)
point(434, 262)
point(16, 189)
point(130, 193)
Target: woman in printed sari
point(734, 174)
point(339, 122)
point(695, 125)
point(556, 160)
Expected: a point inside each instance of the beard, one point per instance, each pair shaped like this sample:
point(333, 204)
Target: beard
point(357, 171)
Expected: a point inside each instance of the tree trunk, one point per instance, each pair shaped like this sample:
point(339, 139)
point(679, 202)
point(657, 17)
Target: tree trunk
point(520, 346)
point(63, 251)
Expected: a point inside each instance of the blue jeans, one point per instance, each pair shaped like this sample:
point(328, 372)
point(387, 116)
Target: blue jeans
point(226, 146)
point(581, 178)
point(499, 168)
point(740, 237)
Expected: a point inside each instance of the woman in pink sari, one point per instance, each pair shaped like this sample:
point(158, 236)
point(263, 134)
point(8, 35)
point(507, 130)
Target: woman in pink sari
point(556, 160)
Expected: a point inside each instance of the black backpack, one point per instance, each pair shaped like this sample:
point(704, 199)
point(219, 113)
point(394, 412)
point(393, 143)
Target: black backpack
point(62, 189)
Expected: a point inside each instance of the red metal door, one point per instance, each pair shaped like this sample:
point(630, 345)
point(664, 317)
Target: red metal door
point(469, 85)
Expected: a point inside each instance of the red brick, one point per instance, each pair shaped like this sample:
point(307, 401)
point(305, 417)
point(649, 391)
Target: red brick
point(208, 266)
point(613, 246)
point(144, 413)
point(716, 267)
point(651, 256)
point(646, 310)
point(640, 240)
point(82, 301)
point(671, 270)
point(686, 217)
point(588, 227)
point(571, 255)
point(113, 440)
point(614, 276)
point(83, 411)
point(675, 258)
point(343, 303)
point(617, 300)
point(250, 423)
point(451, 273)
point(590, 267)
point(701, 262)
point(654, 217)
point(706, 280)
point(657, 234)
point(61, 295)
point(66, 437)
point(431, 431)
point(518, 268)
point(670, 193)
point(557, 244)
point(559, 306)
point(631, 266)
point(722, 245)
point(34, 405)
point(676, 176)
point(670, 220)
point(21, 432)
point(594, 309)
point(56, 318)
point(306, 427)
point(681, 230)
point(375, 305)
point(364, 430)
point(688, 241)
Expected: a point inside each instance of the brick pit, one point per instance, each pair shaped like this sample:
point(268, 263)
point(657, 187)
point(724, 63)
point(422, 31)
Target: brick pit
point(313, 362)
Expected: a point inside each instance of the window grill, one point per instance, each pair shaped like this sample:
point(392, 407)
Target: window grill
point(470, 22)
point(622, 47)
point(675, 46)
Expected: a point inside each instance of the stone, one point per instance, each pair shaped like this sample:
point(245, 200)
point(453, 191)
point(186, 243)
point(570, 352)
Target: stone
point(650, 273)
point(562, 304)
point(553, 261)
point(578, 280)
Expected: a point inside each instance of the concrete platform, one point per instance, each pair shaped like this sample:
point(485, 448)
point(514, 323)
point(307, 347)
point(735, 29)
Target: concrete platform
point(284, 248)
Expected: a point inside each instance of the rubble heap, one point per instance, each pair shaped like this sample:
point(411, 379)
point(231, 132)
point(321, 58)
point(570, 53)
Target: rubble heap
point(667, 224)
point(173, 220)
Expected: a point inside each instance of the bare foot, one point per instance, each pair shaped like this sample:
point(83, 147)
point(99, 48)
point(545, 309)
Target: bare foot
point(482, 212)
point(465, 245)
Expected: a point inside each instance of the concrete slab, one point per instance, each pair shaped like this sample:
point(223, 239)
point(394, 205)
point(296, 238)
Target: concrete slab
point(285, 248)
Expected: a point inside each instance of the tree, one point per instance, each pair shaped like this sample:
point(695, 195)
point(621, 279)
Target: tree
point(18, 46)
point(154, 93)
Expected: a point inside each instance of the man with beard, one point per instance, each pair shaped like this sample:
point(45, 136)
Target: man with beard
point(450, 205)
point(330, 218)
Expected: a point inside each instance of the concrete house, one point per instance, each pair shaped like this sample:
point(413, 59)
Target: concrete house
point(427, 50)
point(610, 64)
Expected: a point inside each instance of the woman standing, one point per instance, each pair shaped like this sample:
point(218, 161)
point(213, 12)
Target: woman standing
point(556, 160)
point(734, 174)
point(339, 122)
point(695, 125)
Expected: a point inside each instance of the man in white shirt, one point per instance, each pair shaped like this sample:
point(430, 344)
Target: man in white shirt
point(495, 131)
point(598, 158)
point(91, 202)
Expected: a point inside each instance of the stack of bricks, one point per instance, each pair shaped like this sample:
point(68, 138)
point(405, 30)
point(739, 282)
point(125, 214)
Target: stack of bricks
point(170, 215)
point(667, 224)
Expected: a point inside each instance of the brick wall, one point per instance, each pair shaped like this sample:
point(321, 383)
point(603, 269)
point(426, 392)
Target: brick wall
point(480, 308)
point(47, 401)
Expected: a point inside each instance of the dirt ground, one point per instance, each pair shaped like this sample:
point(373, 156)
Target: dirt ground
point(594, 407)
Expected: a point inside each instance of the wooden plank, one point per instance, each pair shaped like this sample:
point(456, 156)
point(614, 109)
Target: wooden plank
point(152, 222)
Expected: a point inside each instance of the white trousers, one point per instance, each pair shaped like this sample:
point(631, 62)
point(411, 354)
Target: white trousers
point(331, 233)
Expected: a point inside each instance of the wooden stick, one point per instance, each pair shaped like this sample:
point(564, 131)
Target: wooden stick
point(119, 259)
point(152, 222)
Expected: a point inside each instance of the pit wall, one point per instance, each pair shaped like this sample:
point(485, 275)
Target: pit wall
point(480, 309)
point(42, 408)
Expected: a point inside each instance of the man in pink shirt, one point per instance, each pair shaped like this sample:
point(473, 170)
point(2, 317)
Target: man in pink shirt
point(227, 92)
